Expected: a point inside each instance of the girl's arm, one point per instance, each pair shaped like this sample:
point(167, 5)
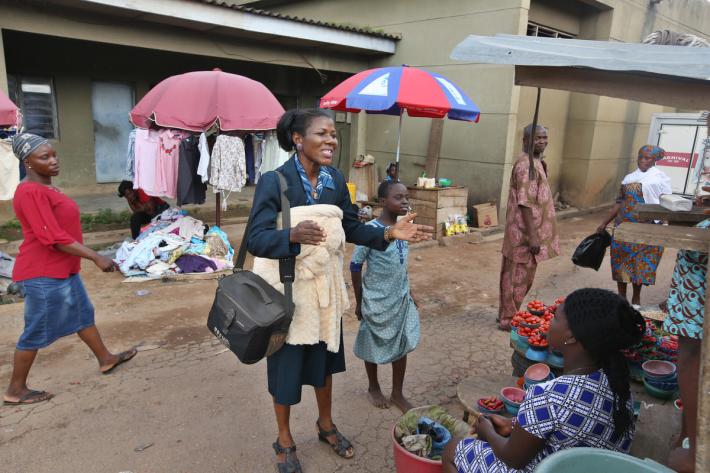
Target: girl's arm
point(517, 450)
point(357, 288)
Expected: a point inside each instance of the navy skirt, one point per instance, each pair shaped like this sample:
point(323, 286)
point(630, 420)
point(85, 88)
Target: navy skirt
point(54, 308)
point(294, 366)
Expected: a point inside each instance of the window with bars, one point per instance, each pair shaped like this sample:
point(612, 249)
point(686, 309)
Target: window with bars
point(35, 97)
point(535, 29)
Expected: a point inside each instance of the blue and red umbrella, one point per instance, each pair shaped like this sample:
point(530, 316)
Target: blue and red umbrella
point(392, 90)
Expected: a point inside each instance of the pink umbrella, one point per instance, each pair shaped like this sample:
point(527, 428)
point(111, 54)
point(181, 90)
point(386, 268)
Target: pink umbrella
point(196, 101)
point(8, 111)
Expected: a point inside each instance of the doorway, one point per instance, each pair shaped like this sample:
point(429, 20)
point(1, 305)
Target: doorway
point(111, 103)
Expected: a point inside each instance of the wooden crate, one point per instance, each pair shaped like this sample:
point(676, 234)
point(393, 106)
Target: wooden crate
point(434, 206)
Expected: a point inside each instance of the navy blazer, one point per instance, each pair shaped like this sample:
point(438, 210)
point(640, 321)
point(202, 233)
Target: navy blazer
point(265, 241)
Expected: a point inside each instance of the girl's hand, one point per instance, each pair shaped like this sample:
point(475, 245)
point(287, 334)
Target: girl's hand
point(601, 228)
point(407, 230)
point(105, 264)
point(307, 232)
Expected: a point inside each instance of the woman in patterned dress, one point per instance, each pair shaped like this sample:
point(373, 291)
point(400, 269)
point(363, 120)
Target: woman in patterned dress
point(590, 405)
point(637, 263)
point(686, 313)
point(389, 320)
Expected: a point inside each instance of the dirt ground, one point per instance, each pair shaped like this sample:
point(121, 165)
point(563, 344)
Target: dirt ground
point(185, 405)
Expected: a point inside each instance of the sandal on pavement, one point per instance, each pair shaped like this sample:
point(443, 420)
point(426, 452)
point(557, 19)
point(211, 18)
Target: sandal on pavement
point(32, 397)
point(341, 446)
point(122, 358)
point(291, 463)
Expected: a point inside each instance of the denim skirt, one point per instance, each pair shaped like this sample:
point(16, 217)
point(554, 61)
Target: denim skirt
point(54, 308)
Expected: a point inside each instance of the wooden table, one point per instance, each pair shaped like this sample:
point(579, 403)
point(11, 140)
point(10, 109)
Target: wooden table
point(473, 388)
point(658, 212)
point(683, 238)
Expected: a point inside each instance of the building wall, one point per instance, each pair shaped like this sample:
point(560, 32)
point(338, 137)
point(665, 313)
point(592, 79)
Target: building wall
point(593, 140)
point(476, 155)
point(74, 64)
point(603, 134)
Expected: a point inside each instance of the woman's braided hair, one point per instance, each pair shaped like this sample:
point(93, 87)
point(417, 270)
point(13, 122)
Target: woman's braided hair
point(605, 323)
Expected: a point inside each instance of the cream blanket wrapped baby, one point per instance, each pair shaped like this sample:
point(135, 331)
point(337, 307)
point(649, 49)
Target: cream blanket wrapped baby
point(319, 290)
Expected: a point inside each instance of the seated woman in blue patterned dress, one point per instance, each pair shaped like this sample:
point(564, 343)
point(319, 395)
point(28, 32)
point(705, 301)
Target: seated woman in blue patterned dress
point(590, 405)
point(389, 320)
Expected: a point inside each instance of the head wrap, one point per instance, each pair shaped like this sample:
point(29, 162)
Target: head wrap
point(25, 143)
point(655, 151)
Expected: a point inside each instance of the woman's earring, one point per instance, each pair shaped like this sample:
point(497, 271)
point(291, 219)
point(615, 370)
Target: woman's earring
point(568, 342)
point(299, 146)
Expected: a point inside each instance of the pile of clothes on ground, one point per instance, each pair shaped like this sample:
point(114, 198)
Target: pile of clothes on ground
point(175, 243)
point(425, 431)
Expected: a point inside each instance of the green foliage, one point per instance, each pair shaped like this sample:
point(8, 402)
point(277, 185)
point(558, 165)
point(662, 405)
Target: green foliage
point(104, 217)
point(12, 224)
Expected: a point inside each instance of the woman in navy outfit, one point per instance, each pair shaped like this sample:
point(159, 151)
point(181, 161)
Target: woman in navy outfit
point(311, 180)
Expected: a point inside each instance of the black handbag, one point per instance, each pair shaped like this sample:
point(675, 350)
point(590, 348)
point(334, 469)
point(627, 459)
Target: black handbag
point(590, 252)
point(249, 316)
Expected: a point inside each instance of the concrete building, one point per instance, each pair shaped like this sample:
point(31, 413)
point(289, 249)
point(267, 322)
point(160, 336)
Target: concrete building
point(76, 67)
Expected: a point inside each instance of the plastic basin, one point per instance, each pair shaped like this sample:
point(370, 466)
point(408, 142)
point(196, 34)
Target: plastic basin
point(406, 462)
point(594, 460)
point(658, 368)
point(658, 393)
point(536, 354)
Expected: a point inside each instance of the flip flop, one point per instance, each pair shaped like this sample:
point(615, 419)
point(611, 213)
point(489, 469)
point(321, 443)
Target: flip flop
point(32, 397)
point(122, 358)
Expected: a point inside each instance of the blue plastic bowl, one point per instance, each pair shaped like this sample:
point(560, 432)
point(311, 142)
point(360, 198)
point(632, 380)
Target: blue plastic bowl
point(535, 355)
point(522, 343)
point(658, 393)
point(532, 382)
point(662, 385)
point(511, 409)
point(666, 378)
point(555, 360)
point(514, 335)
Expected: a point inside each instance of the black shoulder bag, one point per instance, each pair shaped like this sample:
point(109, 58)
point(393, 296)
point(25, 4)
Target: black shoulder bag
point(248, 315)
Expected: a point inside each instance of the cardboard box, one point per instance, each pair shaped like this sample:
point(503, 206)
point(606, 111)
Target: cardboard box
point(485, 215)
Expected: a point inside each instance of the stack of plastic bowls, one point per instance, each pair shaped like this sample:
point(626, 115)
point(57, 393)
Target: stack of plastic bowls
point(554, 359)
point(536, 374)
point(660, 378)
point(512, 398)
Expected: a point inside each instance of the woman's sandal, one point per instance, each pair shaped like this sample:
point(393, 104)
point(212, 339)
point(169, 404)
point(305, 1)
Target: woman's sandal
point(341, 446)
point(291, 463)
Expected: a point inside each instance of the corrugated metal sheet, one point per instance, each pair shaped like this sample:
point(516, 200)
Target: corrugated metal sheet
point(255, 11)
point(677, 61)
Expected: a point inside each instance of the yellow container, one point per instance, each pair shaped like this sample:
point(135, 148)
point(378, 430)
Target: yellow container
point(352, 188)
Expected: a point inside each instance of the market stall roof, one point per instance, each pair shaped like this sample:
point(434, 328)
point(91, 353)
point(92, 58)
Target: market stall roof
point(676, 76)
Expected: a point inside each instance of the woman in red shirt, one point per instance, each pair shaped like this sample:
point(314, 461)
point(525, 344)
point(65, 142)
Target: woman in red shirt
point(47, 270)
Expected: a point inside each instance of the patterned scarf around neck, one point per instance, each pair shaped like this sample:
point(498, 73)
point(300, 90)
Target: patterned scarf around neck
point(324, 180)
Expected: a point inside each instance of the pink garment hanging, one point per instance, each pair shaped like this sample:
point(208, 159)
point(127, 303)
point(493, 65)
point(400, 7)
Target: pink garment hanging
point(167, 162)
point(146, 154)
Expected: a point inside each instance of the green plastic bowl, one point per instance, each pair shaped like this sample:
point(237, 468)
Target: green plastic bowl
point(444, 182)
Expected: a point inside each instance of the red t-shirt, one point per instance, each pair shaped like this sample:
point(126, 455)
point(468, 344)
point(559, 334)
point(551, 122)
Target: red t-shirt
point(143, 198)
point(48, 218)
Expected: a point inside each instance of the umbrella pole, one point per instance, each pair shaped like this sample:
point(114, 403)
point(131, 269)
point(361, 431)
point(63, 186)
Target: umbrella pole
point(218, 209)
point(399, 140)
point(531, 144)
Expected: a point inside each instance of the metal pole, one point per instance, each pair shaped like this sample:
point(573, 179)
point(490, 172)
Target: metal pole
point(399, 140)
point(531, 144)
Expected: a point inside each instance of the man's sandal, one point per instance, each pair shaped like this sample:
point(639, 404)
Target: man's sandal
point(341, 446)
point(291, 463)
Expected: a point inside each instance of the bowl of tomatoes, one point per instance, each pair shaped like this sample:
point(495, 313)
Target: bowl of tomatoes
point(523, 334)
point(490, 405)
point(536, 307)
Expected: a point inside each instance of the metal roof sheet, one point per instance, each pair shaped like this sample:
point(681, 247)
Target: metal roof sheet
point(678, 61)
point(326, 24)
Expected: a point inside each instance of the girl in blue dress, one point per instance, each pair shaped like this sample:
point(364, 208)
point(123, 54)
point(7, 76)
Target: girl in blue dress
point(389, 320)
